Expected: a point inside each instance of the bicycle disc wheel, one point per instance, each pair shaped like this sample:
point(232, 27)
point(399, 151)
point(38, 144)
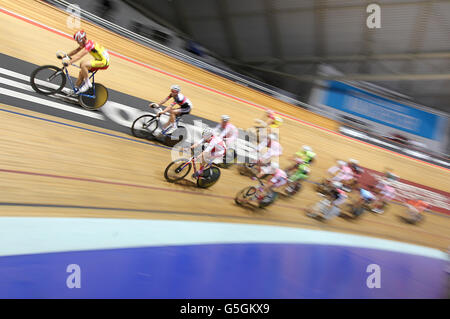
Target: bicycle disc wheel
point(48, 79)
point(177, 170)
point(268, 199)
point(96, 102)
point(212, 173)
point(144, 126)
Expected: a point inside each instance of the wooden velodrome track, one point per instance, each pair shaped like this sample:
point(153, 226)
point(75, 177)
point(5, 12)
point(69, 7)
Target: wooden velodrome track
point(94, 170)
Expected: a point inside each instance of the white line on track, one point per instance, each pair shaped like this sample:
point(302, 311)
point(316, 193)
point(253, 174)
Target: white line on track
point(47, 103)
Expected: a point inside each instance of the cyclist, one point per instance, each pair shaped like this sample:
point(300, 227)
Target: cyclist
point(269, 121)
point(302, 173)
point(416, 208)
point(357, 170)
point(273, 149)
point(304, 156)
point(100, 62)
point(342, 173)
point(366, 197)
point(277, 179)
point(336, 198)
point(386, 192)
point(214, 148)
point(228, 132)
point(184, 103)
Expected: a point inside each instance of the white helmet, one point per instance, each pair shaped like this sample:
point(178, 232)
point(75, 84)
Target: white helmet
point(353, 161)
point(341, 163)
point(207, 133)
point(225, 118)
point(175, 88)
point(337, 184)
point(306, 148)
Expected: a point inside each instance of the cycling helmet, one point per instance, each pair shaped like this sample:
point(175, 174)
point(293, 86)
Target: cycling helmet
point(353, 161)
point(306, 148)
point(207, 133)
point(175, 88)
point(225, 118)
point(337, 184)
point(306, 170)
point(341, 163)
point(392, 177)
point(269, 112)
point(79, 35)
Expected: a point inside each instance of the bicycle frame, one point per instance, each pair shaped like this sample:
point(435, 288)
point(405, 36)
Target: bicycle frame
point(73, 86)
point(177, 120)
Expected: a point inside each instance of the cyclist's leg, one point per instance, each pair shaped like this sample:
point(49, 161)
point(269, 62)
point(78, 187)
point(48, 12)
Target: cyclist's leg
point(84, 72)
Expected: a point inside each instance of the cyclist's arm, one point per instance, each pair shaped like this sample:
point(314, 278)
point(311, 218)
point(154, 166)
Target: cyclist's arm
point(74, 52)
point(166, 109)
point(198, 143)
point(270, 121)
point(164, 101)
point(79, 55)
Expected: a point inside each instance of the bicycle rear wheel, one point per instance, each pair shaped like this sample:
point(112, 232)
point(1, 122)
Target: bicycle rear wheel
point(177, 170)
point(357, 211)
point(268, 199)
point(209, 177)
point(96, 102)
point(144, 126)
point(48, 79)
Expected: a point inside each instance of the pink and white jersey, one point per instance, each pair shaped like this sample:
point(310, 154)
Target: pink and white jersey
point(273, 150)
point(229, 132)
point(279, 178)
point(343, 174)
point(216, 147)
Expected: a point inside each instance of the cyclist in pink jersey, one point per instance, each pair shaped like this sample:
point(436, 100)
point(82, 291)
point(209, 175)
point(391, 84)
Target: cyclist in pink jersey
point(214, 148)
point(272, 149)
point(229, 133)
point(277, 178)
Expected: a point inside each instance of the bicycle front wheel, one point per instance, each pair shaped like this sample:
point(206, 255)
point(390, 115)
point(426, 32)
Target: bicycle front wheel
point(144, 126)
point(246, 193)
point(48, 79)
point(177, 170)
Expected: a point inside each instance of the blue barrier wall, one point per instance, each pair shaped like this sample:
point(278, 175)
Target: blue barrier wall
point(384, 111)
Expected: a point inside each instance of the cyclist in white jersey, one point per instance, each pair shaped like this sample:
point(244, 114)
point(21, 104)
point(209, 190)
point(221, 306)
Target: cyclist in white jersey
point(184, 103)
point(229, 133)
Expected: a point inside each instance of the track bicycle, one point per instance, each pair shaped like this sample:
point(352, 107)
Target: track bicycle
point(149, 126)
point(180, 168)
point(51, 80)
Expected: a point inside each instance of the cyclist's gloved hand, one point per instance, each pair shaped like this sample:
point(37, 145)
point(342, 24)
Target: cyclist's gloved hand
point(66, 61)
point(60, 55)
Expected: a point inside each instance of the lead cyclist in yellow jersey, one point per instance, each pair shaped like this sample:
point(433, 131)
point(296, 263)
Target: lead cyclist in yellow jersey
point(100, 62)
